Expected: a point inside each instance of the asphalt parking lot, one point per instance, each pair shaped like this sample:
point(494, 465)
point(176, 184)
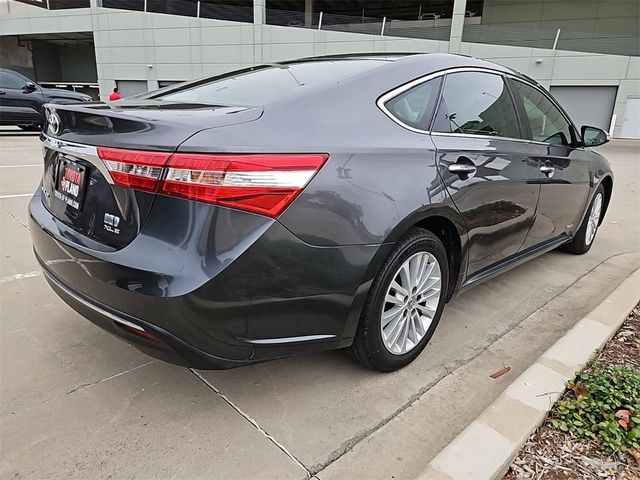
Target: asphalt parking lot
point(76, 402)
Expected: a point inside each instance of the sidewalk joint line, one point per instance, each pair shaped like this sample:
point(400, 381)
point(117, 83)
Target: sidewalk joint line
point(291, 456)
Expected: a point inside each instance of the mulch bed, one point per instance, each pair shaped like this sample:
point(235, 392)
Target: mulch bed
point(551, 454)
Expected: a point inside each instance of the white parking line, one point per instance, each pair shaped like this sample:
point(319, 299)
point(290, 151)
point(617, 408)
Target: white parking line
point(16, 195)
point(30, 165)
point(20, 276)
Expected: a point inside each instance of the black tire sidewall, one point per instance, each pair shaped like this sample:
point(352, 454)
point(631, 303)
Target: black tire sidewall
point(418, 240)
point(579, 243)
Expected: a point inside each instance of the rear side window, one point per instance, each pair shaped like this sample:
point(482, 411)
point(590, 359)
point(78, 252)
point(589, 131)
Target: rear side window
point(267, 84)
point(415, 106)
point(547, 123)
point(476, 103)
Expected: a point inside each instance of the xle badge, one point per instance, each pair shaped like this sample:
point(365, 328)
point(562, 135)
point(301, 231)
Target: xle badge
point(111, 223)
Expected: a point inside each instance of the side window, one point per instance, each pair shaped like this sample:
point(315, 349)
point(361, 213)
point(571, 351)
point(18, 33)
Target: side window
point(476, 103)
point(414, 107)
point(9, 80)
point(547, 123)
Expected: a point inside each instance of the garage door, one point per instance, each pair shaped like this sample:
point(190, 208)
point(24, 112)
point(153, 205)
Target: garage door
point(587, 105)
point(131, 87)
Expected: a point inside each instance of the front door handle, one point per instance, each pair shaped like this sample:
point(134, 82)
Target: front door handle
point(2, 92)
point(548, 170)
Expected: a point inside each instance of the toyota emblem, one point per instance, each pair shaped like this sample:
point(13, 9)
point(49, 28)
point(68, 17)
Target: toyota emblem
point(54, 123)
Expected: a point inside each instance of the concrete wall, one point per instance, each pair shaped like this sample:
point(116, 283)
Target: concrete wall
point(159, 47)
point(16, 56)
point(619, 17)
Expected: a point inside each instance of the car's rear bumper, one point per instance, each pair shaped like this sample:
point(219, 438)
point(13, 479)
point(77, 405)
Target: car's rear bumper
point(210, 300)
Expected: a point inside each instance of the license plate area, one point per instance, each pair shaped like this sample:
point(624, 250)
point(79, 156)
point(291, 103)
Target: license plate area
point(70, 182)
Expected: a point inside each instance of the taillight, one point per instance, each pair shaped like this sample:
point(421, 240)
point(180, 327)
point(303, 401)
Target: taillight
point(134, 168)
point(259, 183)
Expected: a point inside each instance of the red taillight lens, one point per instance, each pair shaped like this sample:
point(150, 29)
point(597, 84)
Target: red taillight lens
point(133, 168)
point(259, 183)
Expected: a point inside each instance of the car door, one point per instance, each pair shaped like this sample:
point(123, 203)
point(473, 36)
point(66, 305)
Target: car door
point(485, 165)
point(18, 104)
point(564, 164)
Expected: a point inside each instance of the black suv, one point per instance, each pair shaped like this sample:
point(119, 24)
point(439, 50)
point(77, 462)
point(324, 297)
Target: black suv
point(21, 100)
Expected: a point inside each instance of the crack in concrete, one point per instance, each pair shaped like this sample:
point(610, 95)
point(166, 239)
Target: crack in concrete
point(254, 423)
point(91, 384)
point(353, 441)
point(79, 387)
point(16, 218)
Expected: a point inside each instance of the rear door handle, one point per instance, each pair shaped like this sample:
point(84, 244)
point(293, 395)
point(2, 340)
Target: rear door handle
point(2, 93)
point(548, 170)
point(462, 169)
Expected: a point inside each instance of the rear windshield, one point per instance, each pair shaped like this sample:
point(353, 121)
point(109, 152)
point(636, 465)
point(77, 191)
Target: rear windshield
point(266, 84)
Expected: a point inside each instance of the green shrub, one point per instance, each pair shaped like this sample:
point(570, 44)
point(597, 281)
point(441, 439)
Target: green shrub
point(602, 405)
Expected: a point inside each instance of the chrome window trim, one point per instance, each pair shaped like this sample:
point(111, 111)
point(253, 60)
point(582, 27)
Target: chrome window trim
point(483, 137)
point(88, 153)
point(407, 86)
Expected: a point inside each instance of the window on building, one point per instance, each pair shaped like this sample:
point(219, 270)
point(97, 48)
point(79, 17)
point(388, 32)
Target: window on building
point(477, 103)
point(545, 120)
point(415, 106)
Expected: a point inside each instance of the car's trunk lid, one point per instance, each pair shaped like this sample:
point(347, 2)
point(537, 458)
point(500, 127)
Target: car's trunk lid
point(78, 187)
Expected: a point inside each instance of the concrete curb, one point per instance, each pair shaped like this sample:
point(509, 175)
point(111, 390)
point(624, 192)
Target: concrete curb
point(485, 449)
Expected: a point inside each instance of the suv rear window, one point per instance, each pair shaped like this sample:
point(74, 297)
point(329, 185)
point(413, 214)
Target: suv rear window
point(266, 84)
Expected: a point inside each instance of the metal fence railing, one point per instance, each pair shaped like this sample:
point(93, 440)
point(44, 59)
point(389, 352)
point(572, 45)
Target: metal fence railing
point(434, 29)
point(186, 8)
point(557, 39)
point(57, 4)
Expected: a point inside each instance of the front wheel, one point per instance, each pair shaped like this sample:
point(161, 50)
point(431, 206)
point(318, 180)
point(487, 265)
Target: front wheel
point(404, 304)
point(586, 234)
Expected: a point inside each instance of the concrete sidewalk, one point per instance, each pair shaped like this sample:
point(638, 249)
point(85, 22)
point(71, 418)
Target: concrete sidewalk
point(78, 403)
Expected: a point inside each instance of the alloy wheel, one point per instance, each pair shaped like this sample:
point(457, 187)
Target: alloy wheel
point(411, 303)
point(594, 219)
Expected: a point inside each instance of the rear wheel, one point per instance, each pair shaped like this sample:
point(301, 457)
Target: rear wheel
point(586, 234)
point(404, 304)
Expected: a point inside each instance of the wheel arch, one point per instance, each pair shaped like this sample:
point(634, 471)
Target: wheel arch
point(607, 184)
point(445, 222)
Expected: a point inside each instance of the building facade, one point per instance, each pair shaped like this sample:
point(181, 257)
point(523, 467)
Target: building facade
point(585, 52)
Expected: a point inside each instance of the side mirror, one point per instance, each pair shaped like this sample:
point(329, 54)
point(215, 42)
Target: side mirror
point(592, 136)
point(29, 87)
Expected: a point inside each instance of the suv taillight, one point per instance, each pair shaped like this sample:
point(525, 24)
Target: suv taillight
point(259, 183)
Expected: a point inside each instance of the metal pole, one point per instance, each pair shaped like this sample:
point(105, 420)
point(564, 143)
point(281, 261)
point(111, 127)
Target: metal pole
point(47, 4)
point(198, 10)
point(555, 42)
point(145, 5)
point(384, 21)
point(320, 22)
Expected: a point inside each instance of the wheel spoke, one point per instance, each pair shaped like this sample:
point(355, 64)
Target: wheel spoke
point(399, 288)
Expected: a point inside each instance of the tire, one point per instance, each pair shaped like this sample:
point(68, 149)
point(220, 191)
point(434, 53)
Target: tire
point(586, 234)
point(418, 251)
